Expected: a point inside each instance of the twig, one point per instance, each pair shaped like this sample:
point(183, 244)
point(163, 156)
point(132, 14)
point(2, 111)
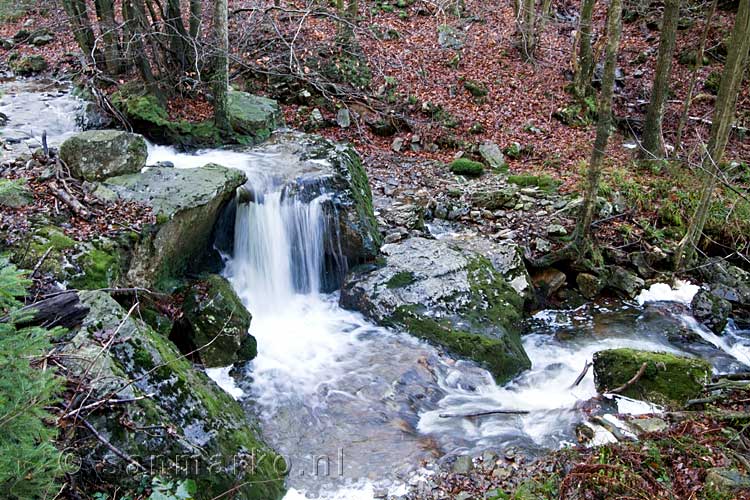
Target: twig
point(484, 413)
point(69, 200)
point(583, 374)
point(40, 262)
point(632, 381)
point(112, 447)
point(105, 401)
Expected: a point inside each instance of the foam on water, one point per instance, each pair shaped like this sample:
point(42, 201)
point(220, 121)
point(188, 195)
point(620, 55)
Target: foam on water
point(225, 381)
point(683, 292)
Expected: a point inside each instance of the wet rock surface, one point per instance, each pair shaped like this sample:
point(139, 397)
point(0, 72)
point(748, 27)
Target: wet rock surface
point(98, 154)
point(176, 412)
point(449, 296)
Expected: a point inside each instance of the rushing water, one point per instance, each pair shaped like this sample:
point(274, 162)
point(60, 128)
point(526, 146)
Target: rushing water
point(355, 407)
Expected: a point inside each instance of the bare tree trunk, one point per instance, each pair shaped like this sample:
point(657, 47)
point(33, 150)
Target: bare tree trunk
point(80, 24)
point(196, 14)
point(603, 128)
point(221, 66)
point(525, 23)
point(178, 35)
point(694, 77)
point(133, 12)
point(585, 66)
point(105, 13)
point(653, 140)
point(726, 102)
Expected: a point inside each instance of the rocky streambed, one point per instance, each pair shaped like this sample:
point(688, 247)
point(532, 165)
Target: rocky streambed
point(362, 362)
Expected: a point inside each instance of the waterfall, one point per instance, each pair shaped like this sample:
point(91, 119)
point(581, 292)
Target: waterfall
point(278, 248)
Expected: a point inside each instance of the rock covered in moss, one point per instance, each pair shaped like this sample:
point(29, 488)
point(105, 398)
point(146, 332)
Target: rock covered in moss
point(449, 296)
point(464, 166)
point(14, 193)
point(216, 322)
point(98, 154)
point(187, 203)
point(178, 415)
point(711, 311)
point(253, 115)
point(625, 281)
point(668, 378)
point(27, 65)
point(253, 118)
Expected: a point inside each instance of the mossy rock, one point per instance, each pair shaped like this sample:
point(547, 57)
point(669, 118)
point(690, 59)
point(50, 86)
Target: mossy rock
point(216, 322)
point(254, 118)
point(178, 414)
point(543, 182)
point(27, 65)
point(668, 379)
point(187, 203)
point(452, 297)
point(464, 166)
point(14, 193)
point(476, 89)
point(98, 154)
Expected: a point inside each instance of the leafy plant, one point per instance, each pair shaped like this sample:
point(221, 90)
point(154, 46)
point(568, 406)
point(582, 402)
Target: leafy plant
point(171, 490)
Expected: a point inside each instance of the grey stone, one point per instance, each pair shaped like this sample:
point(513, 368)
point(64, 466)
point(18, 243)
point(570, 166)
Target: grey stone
point(187, 203)
point(252, 115)
point(542, 245)
point(204, 422)
point(725, 478)
point(556, 230)
point(343, 118)
point(463, 465)
point(711, 311)
point(422, 280)
point(450, 38)
point(398, 144)
point(98, 154)
point(492, 155)
point(625, 281)
point(589, 285)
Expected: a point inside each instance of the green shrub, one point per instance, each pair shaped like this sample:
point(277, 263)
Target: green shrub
point(464, 166)
point(29, 461)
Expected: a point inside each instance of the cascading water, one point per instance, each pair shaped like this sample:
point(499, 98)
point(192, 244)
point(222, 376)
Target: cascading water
point(354, 407)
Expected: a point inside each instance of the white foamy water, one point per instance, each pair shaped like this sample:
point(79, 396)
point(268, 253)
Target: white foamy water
point(327, 383)
point(225, 381)
point(683, 292)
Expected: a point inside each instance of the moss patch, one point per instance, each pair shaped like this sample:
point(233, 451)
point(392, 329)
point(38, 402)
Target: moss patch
point(543, 182)
point(464, 166)
point(668, 379)
point(400, 280)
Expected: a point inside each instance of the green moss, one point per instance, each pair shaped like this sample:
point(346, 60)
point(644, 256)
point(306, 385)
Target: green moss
point(100, 270)
point(362, 195)
point(543, 182)
point(14, 193)
point(668, 379)
point(493, 300)
point(464, 166)
point(500, 355)
point(713, 81)
point(400, 280)
point(475, 88)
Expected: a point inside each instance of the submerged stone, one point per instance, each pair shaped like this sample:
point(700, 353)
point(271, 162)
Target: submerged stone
point(668, 378)
point(177, 414)
point(449, 296)
point(98, 154)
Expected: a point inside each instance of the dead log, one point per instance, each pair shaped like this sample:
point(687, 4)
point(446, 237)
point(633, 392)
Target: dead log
point(69, 200)
point(63, 309)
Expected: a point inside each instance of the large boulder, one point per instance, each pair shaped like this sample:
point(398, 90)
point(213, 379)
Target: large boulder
point(668, 379)
point(730, 283)
point(187, 203)
point(312, 167)
point(98, 154)
point(215, 323)
point(447, 295)
point(253, 115)
point(177, 420)
point(27, 65)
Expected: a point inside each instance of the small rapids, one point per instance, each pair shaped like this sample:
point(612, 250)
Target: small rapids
point(355, 408)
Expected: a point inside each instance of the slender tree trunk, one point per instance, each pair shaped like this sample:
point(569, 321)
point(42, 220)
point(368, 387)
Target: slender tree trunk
point(603, 128)
point(196, 15)
point(694, 77)
point(134, 15)
point(726, 102)
point(80, 24)
point(105, 13)
point(585, 66)
point(178, 35)
point(526, 20)
point(653, 140)
point(221, 67)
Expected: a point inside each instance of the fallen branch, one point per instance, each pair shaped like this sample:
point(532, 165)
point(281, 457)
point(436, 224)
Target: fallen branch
point(105, 401)
point(706, 121)
point(112, 447)
point(484, 413)
point(630, 382)
point(583, 374)
point(69, 200)
point(40, 262)
point(731, 376)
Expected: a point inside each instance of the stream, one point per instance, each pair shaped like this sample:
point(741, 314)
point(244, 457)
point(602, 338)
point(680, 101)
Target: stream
point(356, 408)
